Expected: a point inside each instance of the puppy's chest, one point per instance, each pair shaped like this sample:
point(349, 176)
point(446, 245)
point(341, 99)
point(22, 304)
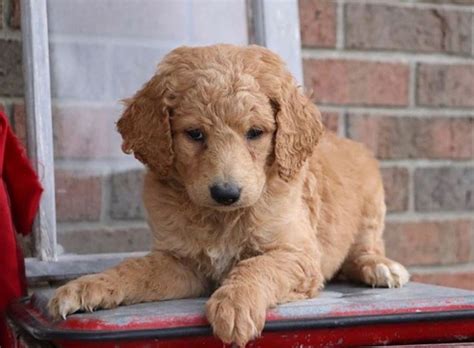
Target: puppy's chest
point(216, 261)
point(215, 247)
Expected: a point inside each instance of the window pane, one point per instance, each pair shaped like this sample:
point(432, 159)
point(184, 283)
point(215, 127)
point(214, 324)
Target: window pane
point(101, 52)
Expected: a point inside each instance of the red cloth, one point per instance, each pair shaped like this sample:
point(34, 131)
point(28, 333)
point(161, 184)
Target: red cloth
point(20, 192)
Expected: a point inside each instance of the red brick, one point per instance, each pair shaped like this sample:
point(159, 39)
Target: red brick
point(445, 85)
point(105, 239)
point(379, 26)
point(19, 122)
point(444, 189)
point(395, 181)
point(85, 133)
point(11, 74)
point(331, 120)
point(409, 137)
point(318, 23)
point(126, 195)
point(463, 280)
point(429, 242)
point(355, 82)
point(78, 196)
point(15, 15)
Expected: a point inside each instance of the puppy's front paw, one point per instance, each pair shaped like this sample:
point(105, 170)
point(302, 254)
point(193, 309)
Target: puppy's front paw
point(86, 293)
point(236, 313)
point(383, 272)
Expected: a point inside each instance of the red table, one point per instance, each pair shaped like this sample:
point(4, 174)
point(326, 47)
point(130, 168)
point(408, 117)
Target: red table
point(343, 315)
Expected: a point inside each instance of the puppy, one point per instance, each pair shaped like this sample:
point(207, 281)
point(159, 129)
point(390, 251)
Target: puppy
point(248, 199)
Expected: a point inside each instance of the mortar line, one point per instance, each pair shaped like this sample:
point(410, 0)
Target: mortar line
point(428, 216)
point(452, 268)
point(385, 56)
point(411, 188)
point(156, 44)
point(413, 4)
point(111, 103)
point(340, 25)
point(10, 35)
point(99, 166)
point(412, 85)
point(426, 163)
point(71, 227)
point(472, 31)
point(106, 196)
point(416, 111)
point(11, 100)
point(342, 124)
point(107, 73)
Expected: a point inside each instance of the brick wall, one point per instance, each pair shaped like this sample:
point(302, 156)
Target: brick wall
point(395, 75)
point(399, 77)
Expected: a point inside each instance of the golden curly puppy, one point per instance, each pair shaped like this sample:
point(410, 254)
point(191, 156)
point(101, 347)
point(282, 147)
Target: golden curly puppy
point(245, 194)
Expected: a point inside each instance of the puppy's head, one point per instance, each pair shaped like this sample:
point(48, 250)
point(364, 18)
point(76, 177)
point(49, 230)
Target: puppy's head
point(219, 119)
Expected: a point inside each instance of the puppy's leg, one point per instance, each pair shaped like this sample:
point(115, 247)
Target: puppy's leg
point(366, 261)
point(156, 276)
point(237, 309)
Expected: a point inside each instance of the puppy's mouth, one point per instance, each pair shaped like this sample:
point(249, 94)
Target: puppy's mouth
point(241, 204)
point(227, 208)
point(212, 204)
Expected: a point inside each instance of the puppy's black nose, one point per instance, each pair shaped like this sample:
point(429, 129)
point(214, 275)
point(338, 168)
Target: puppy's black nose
point(226, 193)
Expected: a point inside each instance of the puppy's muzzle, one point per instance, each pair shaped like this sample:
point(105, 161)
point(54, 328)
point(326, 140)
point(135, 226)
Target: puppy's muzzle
point(226, 193)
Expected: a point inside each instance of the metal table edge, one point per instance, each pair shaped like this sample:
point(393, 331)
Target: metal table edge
point(26, 321)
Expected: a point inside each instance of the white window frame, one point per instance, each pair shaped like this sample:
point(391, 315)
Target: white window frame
point(271, 23)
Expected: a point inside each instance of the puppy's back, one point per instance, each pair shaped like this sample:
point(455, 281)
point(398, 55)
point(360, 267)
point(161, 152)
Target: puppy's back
point(351, 162)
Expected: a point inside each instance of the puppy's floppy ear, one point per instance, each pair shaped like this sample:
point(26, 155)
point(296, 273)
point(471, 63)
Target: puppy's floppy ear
point(145, 127)
point(299, 125)
point(299, 129)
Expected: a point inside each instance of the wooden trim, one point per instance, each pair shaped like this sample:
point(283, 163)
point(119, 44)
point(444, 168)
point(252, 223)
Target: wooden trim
point(275, 24)
point(34, 24)
point(72, 266)
point(255, 22)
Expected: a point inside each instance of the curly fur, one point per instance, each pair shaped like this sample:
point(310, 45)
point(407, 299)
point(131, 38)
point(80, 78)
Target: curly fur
point(312, 204)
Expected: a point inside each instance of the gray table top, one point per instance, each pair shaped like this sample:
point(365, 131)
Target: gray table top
point(340, 300)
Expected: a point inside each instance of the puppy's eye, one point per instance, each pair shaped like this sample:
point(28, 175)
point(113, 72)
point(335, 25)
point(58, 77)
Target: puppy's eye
point(253, 133)
point(195, 134)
